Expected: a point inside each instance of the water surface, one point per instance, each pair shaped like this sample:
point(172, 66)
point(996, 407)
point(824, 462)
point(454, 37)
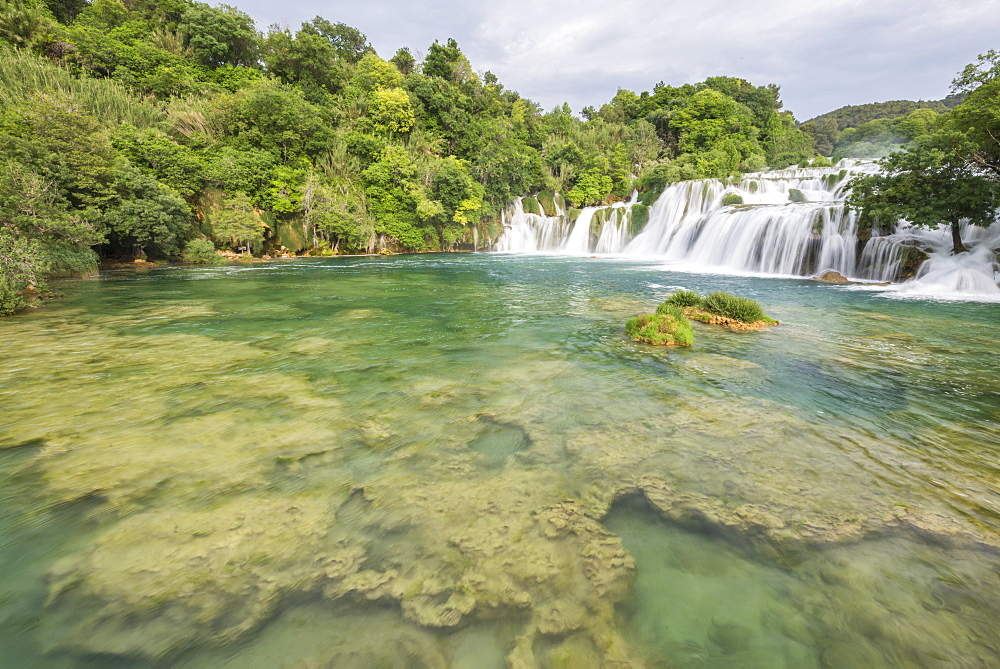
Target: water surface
point(461, 461)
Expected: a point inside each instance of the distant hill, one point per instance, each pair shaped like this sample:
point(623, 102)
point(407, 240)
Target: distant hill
point(853, 116)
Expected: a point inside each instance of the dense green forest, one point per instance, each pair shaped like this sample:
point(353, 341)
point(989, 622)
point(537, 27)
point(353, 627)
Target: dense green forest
point(166, 128)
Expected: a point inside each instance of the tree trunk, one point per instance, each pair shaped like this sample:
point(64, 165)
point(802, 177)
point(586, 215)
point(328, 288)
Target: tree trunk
point(956, 240)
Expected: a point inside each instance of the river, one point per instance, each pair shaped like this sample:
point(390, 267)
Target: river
point(461, 461)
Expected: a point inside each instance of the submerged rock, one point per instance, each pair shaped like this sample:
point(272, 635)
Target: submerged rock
point(157, 582)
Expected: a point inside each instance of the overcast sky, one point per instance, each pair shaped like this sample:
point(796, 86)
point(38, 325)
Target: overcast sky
point(824, 54)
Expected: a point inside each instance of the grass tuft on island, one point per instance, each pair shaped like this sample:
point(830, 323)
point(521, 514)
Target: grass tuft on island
point(667, 327)
point(720, 308)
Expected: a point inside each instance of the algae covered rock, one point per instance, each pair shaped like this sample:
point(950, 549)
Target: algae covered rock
point(156, 582)
point(530, 205)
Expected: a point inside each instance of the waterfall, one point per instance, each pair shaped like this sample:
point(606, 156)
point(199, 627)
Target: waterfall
point(578, 242)
point(974, 273)
point(531, 233)
point(789, 222)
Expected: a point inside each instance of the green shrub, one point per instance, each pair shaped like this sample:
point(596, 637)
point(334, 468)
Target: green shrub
point(11, 299)
point(795, 195)
point(530, 205)
point(667, 309)
point(681, 298)
point(661, 329)
point(730, 199)
point(200, 251)
point(62, 259)
point(738, 308)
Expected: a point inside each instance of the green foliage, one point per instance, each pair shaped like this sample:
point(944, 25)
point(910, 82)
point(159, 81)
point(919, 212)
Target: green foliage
point(390, 111)
point(20, 265)
point(446, 62)
point(741, 309)
point(143, 213)
point(978, 119)
point(11, 298)
point(247, 171)
point(593, 187)
point(348, 44)
point(274, 118)
point(731, 199)
point(681, 298)
point(795, 195)
point(404, 61)
point(853, 116)
point(24, 24)
point(236, 222)
point(653, 182)
point(173, 164)
point(220, 35)
point(373, 73)
point(53, 135)
point(201, 252)
point(337, 212)
point(667, 329)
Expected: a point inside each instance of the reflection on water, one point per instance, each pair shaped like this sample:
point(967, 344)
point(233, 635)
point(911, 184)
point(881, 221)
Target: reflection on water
point(461, 461)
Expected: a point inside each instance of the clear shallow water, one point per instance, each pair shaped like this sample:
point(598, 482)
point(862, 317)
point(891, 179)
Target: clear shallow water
point(461, 461)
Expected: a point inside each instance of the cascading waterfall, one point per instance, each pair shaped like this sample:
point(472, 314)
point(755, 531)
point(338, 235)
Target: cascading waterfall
point(791, 222)
point(531, 233)
point(975, 273)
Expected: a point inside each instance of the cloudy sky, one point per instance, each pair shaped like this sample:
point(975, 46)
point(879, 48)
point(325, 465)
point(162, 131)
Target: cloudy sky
point(823, 53)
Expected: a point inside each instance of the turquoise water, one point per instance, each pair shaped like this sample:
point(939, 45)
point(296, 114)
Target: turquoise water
point(460, 461)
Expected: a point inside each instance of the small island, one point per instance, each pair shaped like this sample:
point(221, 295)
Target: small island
point(670, 325)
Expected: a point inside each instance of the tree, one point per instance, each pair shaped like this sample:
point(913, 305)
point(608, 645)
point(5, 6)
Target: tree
point(404, 61)
point(390, 111)
point(337, 212)
point(61, 141)
point(979, 118)
point(171, 163)
point(144, 214)
point(824, 133)
point(373, 73)
point(220, 35)
point(348, 43)
point(447, 62)
point(984, 70)
point(929, 185)
point(276, 118)
point(236, 222)
point(307, 59)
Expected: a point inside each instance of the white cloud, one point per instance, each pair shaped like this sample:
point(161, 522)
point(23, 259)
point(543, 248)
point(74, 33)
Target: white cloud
point(823, 54)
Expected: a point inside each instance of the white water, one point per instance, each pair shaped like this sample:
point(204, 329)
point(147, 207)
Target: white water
point(974, 274)
point(691, 230)
point(578, 242)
